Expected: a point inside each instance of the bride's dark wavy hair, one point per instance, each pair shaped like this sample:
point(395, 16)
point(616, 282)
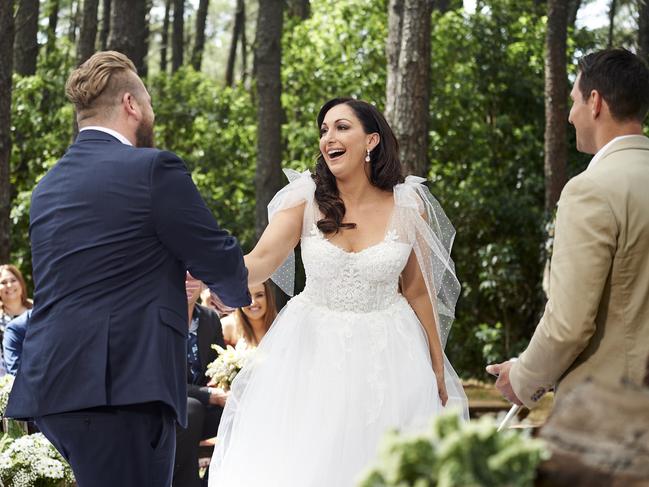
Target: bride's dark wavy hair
point(385, 166)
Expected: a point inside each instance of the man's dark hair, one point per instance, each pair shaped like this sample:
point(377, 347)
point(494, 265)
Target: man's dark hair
point(621, 78)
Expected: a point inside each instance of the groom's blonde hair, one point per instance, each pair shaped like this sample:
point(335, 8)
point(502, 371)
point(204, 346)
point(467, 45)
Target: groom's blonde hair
point(96, 86)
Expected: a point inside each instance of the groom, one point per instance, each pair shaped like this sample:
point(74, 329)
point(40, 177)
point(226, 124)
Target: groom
point(596, 322)
point(114, 226)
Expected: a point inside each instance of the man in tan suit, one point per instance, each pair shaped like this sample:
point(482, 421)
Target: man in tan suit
point(596, 322)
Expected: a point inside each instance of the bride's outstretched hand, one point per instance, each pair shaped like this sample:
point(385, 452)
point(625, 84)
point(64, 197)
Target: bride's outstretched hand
point(441, 388)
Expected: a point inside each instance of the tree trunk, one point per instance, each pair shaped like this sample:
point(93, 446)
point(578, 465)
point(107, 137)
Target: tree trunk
point(178, 40)
point(26, 41)
point(142, 9)
point(88, 33)
point(147, 37)
point(165, 38)
point(611, 21)
point(6, 69)
point(441, 5)
point(408, 81)
point(268, 58)
point(299, 8)
point(75, 13)
point(127, 29)
point(105, 24)
point(237, 31)
point(244, 44)
point(643, 29)
point(556, 102)
point(199, 45)
point(392, 49)
point(573, 9)
point(53, 20)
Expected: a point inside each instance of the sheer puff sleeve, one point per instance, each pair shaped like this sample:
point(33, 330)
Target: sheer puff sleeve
point(300, 190)
point(431, 233)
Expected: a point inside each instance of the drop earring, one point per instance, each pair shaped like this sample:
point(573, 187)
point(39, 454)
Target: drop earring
point(367, 157)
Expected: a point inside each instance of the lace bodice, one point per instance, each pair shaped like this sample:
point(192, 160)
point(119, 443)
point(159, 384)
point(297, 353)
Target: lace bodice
point(367, 281)
point(361, 281)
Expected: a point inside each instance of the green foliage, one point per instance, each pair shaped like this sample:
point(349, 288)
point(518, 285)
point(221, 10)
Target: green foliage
point(42, 129)
point(213, 129)
point(454, 453)
point(486, 143)
point(338, 51)
point(487, 128)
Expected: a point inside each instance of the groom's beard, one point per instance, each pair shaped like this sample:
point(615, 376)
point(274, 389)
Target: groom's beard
point(144, 136)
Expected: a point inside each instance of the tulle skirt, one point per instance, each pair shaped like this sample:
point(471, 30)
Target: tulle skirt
point(323, 387)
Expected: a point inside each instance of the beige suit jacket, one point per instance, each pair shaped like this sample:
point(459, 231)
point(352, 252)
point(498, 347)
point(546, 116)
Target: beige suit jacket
point(596, 321)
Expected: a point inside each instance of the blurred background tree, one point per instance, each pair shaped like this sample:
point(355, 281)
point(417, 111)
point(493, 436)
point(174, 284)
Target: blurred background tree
point(236, 96)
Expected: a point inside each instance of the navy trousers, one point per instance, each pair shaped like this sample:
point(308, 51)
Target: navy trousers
point(110, 446)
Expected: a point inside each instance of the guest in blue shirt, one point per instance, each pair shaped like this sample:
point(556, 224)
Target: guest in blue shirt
point(204, 404)
point(12, 342)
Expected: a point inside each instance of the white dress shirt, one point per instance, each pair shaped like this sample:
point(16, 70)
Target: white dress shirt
point(112, 132)
point(601, 152)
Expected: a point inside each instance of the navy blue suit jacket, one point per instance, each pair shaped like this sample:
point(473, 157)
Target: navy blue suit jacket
point(113, 229)
point(12, 341)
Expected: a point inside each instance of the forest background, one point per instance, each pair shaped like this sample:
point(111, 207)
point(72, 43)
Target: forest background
point(478, 97)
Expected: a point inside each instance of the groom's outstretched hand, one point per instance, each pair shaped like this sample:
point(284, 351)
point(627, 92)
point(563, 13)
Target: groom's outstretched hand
point(501, 371)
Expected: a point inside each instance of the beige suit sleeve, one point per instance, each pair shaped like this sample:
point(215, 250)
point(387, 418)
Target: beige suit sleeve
point(585, 243)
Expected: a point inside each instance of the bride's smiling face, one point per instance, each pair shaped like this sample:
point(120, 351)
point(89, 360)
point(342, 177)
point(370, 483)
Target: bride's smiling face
point(343, 141)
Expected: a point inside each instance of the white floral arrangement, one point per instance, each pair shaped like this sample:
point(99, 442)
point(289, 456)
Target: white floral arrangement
point(32, 460)
point(28, 460)
point(6, 383)
point(228, 364)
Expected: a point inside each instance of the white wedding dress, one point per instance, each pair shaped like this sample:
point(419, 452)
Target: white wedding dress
point(346, 359)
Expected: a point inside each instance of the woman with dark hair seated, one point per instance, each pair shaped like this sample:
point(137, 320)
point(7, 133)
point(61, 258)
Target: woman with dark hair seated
point(361, 349)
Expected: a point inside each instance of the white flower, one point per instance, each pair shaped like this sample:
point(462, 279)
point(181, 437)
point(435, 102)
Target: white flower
point(315, 231)
point(32, 460)
point(6, 383)
point(391, 236)
point(228, 364)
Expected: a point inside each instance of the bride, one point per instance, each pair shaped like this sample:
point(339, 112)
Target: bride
point(360, 350)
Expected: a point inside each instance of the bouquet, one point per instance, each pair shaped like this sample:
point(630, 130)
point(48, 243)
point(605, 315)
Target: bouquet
point(32, 460)
point(457, 454)
point(228, 364)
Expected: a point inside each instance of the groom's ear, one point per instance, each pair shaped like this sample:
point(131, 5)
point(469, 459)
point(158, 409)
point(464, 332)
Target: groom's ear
point(596, 103)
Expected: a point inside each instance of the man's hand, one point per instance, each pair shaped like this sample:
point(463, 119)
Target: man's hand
point(218, 396)
point(502, 383)
point(221, 308)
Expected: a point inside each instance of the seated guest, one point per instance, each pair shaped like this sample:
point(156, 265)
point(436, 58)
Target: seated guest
point(252, 322)
point(204, 404)
point(12, 343)
point(13, 300)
